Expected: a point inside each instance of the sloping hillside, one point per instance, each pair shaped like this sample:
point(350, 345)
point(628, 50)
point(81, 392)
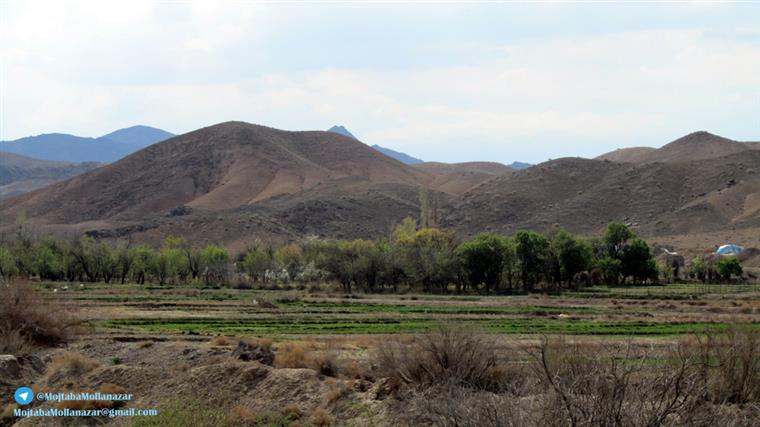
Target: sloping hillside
point(456, 178)
point(694, 146)
point(628, 155)
point(584, 195)
point(21, 174)
point(219, 168)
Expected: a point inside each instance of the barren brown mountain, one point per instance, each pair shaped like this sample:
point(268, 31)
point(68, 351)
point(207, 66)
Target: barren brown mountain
point(21, 174)
point(628, 155)
point(234, 182)
point(584, 195)
point(456, 178)
point(694, 146)
point(230, 171)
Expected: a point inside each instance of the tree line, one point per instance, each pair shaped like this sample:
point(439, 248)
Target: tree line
point(424, 259)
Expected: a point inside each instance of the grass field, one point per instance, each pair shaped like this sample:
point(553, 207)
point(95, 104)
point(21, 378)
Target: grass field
point(614, 311)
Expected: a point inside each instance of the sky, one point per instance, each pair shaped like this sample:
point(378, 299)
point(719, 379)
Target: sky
point(440, 81)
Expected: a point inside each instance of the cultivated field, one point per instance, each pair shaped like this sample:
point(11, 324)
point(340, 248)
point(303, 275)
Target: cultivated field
point(310, 355)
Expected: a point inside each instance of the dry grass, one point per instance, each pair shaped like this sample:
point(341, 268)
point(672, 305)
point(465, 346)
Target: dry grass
point(303, 355)
point(242, 415)
point(292, 412)
point(321, 418)
point(27, 318)
point(70, 364)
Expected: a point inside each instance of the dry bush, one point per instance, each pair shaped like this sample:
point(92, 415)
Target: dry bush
point(337, 391)
point(302, 355)
point(240, 414)
point(26, 317)
point(321, 418)
point(613, 386)
point(446, 355)
point(730, 365)
point(292, 412)
point(455, 406)
point(291, 355)
point(70, 364)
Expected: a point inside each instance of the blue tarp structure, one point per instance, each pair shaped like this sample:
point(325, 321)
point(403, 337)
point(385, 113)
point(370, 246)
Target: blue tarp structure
point(729, 250)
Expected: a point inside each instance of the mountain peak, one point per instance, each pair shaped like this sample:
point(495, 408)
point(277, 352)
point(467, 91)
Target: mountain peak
point(139, 135)
point(339, 129)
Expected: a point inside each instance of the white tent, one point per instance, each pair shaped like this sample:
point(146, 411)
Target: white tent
point(731, 249)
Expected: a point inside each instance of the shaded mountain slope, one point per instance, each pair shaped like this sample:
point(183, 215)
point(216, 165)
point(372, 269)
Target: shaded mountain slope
point(20, 174)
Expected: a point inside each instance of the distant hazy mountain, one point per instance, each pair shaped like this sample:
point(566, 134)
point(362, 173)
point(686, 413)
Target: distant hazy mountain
point(401, 157)
point(341, 130)
point(520, 165)
point(139, 136)
point(72, 148)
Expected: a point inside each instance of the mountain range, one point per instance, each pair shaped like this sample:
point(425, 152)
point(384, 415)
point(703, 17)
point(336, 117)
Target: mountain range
point(76, 149)
point(235, 182)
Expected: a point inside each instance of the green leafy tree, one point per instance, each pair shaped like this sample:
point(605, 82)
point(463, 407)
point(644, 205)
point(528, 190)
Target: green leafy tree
point(7, 263)
point(290, 258)
point(532, 250)
point(615, 238)
point(573, 255)
point(214, 261)
point(637, 262)
point(726, 267)
point(484, 260)
point(256, 261)
point(698, 269)
point(142, 257)
point(609, 268)
point(430, 258)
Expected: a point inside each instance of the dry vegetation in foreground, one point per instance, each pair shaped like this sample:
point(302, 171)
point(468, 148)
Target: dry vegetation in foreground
point(27, 320)
point(452, 377)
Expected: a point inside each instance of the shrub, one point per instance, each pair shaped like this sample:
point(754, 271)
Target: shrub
point(25, 317)
point(70, 364)
point(727, 267)
point(731, 365)
point(321, 418)
point(613, 385)
point(445, 355)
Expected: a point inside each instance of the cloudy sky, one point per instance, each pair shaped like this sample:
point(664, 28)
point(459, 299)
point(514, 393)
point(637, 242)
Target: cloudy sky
point(441, 81)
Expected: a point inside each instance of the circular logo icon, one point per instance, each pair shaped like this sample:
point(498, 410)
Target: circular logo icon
point(24, 395)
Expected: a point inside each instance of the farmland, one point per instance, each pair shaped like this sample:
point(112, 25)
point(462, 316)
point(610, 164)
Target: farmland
point(660, 311)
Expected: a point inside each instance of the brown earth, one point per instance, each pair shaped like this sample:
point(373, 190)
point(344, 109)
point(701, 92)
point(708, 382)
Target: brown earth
point(456, 178)
point(694, 146)
point(234, 182)
point(21, 174)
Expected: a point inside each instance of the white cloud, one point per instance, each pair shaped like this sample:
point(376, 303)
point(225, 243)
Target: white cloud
point(88, 68)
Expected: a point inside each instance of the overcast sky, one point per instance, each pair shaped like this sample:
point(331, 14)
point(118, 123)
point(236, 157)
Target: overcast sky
point(446, 82)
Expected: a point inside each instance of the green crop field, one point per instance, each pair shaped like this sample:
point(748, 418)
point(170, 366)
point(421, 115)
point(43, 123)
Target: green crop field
point(613, 311)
